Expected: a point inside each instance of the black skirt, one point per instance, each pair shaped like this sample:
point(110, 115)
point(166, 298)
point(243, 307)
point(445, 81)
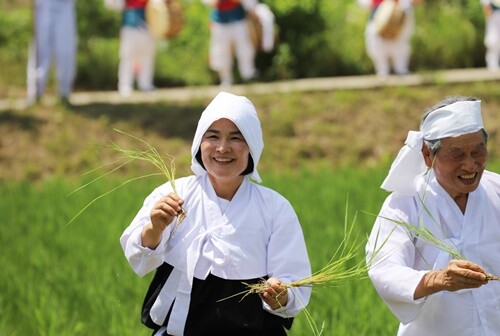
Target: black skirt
point(208, 316)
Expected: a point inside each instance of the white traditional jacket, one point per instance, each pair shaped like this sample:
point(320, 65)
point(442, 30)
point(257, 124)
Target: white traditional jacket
point(258, 235)
point(406, 258)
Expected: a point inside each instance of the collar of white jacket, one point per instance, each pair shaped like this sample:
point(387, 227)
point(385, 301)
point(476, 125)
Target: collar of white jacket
point(452, 120)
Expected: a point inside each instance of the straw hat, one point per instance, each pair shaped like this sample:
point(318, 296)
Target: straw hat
point(157, 17)
point(389, 19)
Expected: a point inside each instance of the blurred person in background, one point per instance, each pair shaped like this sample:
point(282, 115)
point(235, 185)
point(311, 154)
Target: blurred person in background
point(438, 182)
point(230, 33)
point(235, 231)
point(55, 40)
point(491, 10)
point(391, 50)
point(137, 47)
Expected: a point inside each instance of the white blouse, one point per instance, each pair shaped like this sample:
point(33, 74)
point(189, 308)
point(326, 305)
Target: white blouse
point(258, 235)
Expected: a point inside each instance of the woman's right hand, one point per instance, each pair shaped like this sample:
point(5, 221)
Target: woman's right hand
point(162, 215)
point(165, 210)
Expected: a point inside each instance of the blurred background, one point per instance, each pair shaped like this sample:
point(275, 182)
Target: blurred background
point(316, 38)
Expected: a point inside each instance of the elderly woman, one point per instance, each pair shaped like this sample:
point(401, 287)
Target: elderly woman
point(235, 232)
point(439, 183)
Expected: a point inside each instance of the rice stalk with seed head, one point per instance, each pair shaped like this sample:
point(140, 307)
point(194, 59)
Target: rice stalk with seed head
point(336, 272)
point(165, 165)
point(429, 237)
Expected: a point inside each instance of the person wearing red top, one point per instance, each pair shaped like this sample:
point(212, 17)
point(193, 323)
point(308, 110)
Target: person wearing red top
point(388, 53)
point(230, 33)
point(137, 47)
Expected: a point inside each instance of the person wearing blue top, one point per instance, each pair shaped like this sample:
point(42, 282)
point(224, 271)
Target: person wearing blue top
point(137, 47)
point(230, 33)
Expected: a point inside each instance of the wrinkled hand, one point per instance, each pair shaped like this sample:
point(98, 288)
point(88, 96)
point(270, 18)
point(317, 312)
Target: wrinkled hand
point(458, 274)
point(275, 295)
point(461, 274)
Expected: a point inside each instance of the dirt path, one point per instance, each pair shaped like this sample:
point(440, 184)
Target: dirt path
point(300, 85)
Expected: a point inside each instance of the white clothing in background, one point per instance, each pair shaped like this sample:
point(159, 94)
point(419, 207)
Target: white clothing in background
point(386, 54)
point(492, 38)
point(267, 21)
point(137, 59)
point(232, 38)
point(55, 41)
point(405, 259)
point(225, 39)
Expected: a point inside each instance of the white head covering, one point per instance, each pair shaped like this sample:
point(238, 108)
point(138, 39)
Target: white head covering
point(452, 120)
point(242, 113)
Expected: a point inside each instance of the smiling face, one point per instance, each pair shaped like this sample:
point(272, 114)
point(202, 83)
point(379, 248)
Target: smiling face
point(225, 154)
point(459, 163)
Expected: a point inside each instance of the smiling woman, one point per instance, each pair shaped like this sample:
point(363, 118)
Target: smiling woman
point(237, 233)
point(225, 156)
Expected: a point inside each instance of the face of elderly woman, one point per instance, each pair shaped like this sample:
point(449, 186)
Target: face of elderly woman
point(459, 163)
point(224, 151)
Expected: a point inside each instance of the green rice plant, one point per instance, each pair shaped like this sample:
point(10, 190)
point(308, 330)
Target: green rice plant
point(339, 270)
point(165, 164)
point(423, 233)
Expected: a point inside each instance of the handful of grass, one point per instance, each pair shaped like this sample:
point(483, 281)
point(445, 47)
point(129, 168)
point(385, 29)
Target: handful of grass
point(341, 269)
point(423, 233)
point(165, 165)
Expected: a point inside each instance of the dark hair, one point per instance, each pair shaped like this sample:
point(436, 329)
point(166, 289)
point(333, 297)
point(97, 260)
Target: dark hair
point(249, 169)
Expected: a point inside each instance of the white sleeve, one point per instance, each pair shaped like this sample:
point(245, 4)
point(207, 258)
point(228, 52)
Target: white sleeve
point(392, 274)
point(288, 259)
point(142, 259)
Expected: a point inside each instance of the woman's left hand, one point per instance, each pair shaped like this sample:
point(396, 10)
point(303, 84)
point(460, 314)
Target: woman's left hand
point(275, 295)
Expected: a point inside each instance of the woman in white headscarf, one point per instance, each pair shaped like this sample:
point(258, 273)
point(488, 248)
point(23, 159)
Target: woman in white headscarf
point(235, 231)
point(439, 183)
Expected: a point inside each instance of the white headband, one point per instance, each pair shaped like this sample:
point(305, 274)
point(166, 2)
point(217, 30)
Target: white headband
point(452, 120)
point(242, 113)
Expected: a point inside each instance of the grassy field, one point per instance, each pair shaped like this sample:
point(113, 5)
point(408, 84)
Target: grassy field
point(60, 279)
point(322, 150)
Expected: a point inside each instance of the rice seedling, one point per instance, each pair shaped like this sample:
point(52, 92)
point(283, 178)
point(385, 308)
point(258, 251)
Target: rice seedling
point(423, 233)
point(346, 265)
point(165, 165)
